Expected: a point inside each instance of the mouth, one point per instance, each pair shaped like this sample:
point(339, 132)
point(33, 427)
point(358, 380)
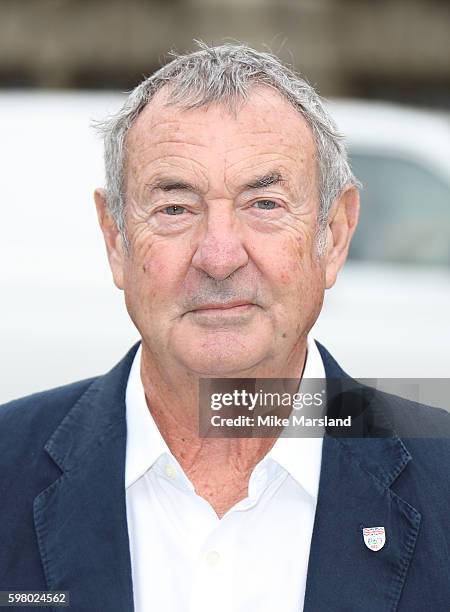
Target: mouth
point(224, 314)
point(226, 308)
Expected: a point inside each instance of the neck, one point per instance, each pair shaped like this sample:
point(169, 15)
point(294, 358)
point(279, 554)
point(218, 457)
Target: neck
point(219, 468)
point(172, 395)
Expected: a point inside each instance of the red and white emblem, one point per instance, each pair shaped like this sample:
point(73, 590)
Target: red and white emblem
point(374, 537)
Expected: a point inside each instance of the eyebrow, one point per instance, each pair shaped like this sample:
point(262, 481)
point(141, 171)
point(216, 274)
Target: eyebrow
point(272, 178)
point(172, 184)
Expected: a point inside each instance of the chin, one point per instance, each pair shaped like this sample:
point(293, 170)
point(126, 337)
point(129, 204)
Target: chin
point(220, 369)
point(220, 361)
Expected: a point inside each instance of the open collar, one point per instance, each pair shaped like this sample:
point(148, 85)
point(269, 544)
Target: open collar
point(301, 457)
point(81, 523)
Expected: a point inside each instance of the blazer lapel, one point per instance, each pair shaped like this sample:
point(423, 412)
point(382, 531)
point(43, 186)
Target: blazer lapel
point(80, 519)
point(355, 493)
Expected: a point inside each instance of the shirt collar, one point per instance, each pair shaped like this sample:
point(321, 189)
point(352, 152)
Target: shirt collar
point(145, 443)
point(301, 457)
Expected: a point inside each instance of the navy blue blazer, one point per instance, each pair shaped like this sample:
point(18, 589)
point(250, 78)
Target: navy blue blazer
point(63, 523)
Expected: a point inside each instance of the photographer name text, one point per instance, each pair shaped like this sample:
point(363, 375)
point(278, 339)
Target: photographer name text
point(275, 421)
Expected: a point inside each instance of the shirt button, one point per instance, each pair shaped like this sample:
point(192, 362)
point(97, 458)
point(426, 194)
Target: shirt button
point(212, 558)
point(171, 471)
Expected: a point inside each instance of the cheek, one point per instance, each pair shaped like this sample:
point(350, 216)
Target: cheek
point(288, 273)
point(286, 261)
point(296, 276)
point(153, 269)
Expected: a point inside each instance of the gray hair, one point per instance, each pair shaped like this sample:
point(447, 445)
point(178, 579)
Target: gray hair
point(225, 74)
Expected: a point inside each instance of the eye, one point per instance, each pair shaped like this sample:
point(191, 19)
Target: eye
point(266, 204)
point(173, 210)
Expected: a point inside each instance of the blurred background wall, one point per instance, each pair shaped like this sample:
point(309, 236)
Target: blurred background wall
point(383, 49)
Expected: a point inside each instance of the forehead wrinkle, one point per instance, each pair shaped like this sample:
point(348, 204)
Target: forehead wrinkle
point(300, 139)
point(159, 115)
point(179, 129)
point(142, 148)
point(278, 146)
point(177, 142)
point(269, 161)
point(139, 140)
point(170, 167)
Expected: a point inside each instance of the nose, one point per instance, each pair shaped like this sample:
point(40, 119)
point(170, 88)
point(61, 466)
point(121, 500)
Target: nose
point(220, 250)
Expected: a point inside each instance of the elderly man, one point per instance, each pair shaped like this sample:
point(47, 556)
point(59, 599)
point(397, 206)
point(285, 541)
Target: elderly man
point(228, 210)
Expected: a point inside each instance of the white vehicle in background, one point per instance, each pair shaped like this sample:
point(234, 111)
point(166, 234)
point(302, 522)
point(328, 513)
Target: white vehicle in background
point(62, 318)
point(388, 315)
point(403, 158)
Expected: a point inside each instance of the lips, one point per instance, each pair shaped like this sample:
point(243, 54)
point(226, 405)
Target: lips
point(223, 306)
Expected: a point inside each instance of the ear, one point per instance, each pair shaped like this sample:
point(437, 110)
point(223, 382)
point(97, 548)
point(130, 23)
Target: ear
point(113, 239)
point(342, 221)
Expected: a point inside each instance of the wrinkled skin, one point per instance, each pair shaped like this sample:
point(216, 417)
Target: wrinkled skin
point(224, 238)
point(228, 241)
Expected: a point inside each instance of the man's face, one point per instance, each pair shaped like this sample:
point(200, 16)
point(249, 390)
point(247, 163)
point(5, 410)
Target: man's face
point(222, 274)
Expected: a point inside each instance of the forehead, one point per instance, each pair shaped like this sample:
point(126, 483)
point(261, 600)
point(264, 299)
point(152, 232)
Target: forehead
point(265, 128)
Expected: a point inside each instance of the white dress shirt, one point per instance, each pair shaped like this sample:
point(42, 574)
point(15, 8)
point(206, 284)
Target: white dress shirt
point(183, 557)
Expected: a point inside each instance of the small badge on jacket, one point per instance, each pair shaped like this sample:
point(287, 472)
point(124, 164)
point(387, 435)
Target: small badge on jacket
point(374, 537)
